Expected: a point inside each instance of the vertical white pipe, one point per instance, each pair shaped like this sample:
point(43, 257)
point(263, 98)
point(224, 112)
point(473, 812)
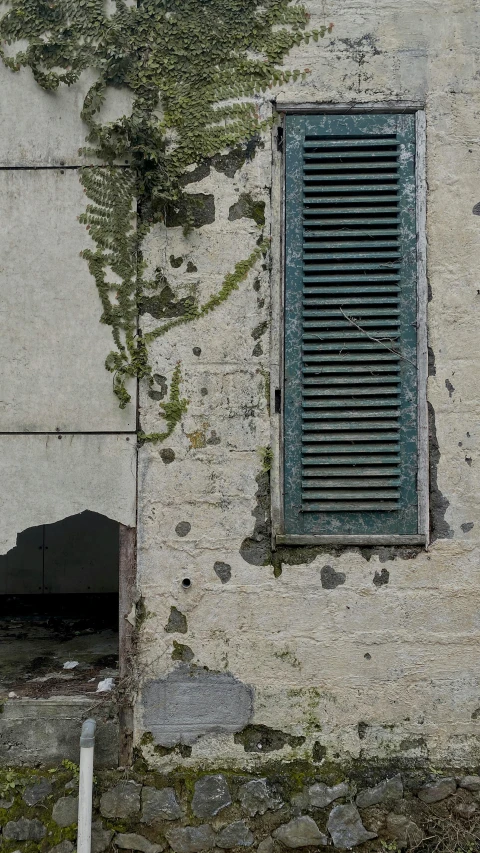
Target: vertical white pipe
point(85, 787)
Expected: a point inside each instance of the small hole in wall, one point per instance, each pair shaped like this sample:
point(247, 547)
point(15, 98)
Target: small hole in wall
point(186, 583)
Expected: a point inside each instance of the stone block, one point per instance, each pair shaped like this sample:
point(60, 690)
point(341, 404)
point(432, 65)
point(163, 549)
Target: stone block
point(132, 841)
point(24, 830)
point(434, 792)
point(65, 811)
point(211, 795)
point(64, 847)
point(122, 801)
point(101, 837)
point(300, 832)
point(320, 795)
point(346, 827)
point(191, 839)
point(470, 783)
point(159, 804)
point(387, 790)
point(404, 831)
point(37, 792)
point(236, 834)
point(256, 797)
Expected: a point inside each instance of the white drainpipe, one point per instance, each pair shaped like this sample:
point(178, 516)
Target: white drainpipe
point(87, 744)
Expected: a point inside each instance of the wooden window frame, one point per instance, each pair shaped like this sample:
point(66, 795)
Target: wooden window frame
point(277, 330)
point(126, 639)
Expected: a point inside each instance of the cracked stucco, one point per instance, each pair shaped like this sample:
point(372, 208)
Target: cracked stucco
point(392, 650)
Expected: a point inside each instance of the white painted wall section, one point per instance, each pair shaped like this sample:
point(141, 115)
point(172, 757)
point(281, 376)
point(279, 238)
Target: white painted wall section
point(41, 128)
point(51, 336)
point(48, 477)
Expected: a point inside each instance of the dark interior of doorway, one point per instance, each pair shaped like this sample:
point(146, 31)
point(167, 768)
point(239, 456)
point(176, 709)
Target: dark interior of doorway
point(59, 609)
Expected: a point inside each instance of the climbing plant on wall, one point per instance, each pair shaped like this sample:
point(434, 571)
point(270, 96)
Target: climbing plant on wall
point(194, 68)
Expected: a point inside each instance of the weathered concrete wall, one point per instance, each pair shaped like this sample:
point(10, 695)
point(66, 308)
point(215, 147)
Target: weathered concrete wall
point(52, 344)
point(44, 128)
point(49, 477)
point(52, 336)
point(349, 654)
point(34, 731)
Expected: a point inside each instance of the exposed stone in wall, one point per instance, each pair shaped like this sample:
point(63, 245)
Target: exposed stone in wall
point(211, 795)
point(159, 805)
point(223, 571)
point(264, 739)
point(177, 622)
point(65, 811)
point(122, 801)
point(438, 503)
point(201, 207)
point(247, 207)
point(37, 792)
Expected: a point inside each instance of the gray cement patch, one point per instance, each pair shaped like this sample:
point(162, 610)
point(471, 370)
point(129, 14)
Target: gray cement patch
point(47, 730)
point(191, 702)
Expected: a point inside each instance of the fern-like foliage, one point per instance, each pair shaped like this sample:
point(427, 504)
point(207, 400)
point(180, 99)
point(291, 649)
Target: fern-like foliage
point(110, 219)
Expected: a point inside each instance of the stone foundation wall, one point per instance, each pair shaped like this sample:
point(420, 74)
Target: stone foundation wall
point(288, 807)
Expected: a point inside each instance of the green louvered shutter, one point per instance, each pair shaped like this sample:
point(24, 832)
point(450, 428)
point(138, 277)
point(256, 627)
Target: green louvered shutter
point(350, 399)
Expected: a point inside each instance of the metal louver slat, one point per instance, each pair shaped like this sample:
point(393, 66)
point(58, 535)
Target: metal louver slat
point(347, 142)
point(350, 336)
point(360, 471)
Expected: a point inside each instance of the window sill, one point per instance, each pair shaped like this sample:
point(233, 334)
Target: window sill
point(286, 539)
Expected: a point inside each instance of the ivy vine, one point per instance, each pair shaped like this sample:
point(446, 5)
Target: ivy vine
point(172, 410)
point(194, 68)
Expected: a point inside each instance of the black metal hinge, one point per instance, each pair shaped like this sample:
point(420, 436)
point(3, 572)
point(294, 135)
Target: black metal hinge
point(280, 138)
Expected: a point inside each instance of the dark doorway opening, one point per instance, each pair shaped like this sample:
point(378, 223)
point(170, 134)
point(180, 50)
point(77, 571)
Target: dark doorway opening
point(59, 609)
